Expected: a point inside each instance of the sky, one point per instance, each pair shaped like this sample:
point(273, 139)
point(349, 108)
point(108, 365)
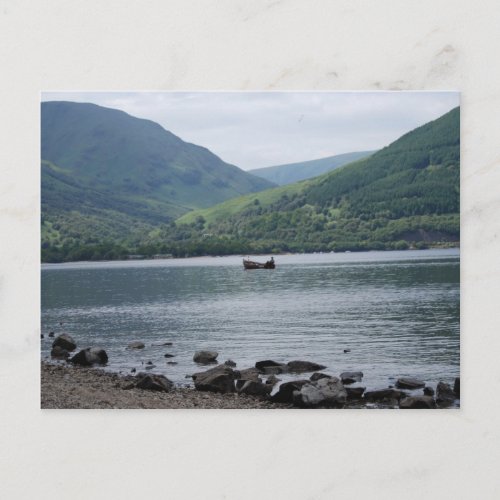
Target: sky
point(262, 129)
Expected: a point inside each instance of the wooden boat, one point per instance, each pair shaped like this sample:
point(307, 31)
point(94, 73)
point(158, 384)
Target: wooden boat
point(250, 264)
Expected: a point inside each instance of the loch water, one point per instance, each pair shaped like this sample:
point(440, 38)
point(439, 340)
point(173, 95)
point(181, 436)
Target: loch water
point(396, 313)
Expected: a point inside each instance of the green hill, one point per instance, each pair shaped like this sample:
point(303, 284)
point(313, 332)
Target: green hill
point(108, 176)
point(407, 194)
point(295, 172)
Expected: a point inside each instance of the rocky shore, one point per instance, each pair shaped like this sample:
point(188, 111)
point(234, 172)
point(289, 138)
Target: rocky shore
point(78, 384)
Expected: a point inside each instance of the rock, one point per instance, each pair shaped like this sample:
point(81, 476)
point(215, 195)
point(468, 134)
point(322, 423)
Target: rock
point(153, 382)
point(133, 370)
point(444, 394)
point(51, 334)
point(384, 395)
point(149, 363)
point(351, 377)
point(252, 387)
point(58, 352)
point(346, 351)
point(456, 387)
point(409, 383)
point(417, 402)
point(230, 362)
point(261, 365)
point(249, 374)
point(172, 363)
point(65, 341)
point(42, 336)
point(169, 356)
point(90, 356)
point(324, 393)
point(272, 380)
point(428, 391)
point(317, 376)
point(136, 345)
point(286, 390)
point(205, 357)
point(355, 392)
point(218, 379)
point(158, 344)
point(304, 366)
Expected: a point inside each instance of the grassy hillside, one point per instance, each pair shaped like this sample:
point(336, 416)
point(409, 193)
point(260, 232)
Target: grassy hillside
point(405, 195)
point(295, 172)
point(108, 176)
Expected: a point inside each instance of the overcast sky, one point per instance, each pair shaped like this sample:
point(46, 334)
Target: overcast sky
point(261, 129)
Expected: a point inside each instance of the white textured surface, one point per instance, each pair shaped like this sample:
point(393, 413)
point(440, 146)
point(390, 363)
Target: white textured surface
point(204, 45)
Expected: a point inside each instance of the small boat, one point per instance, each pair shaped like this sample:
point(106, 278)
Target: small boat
point(250, 264)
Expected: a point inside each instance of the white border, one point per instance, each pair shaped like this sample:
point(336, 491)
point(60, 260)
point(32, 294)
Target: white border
point(258, 45)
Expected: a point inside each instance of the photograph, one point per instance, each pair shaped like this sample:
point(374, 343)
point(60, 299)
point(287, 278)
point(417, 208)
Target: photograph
point(250, 250)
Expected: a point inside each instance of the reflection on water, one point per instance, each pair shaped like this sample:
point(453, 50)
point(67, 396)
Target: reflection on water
point(398, 312)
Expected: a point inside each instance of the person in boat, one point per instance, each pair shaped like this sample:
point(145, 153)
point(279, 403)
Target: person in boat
point(270, 262)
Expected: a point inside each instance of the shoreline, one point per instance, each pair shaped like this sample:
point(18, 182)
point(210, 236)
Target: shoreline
point(73, 387)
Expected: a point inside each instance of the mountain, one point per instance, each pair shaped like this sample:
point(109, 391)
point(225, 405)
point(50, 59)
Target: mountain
point(294, 172)
point(106, 174)
point(406, 194)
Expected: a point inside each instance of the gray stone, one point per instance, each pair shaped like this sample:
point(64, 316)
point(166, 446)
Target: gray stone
point(151, 382)
point(409, 383)
point(417, 403)
point(230, 362)
point(383, 395)
point(172, 363)
point(444, 394)
point(304, 366)
point(318, 375)
point(205, 357)
point(51, 334)
point(286, 390)
point(355, 392)
point(90, 356)
point(218, 379)
point(58, 352)
point(261, 365)
point(136, 345)
point(253, 388)
point(65, 341)
point(428, 391)
point(324, 393)
point(272, 380)
point(351, 377)
point(249, 374)
point(168, 356)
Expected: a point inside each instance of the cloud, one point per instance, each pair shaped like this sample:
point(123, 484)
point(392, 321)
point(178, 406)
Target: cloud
point(259, 129)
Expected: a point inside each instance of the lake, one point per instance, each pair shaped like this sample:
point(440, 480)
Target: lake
point(397, 312)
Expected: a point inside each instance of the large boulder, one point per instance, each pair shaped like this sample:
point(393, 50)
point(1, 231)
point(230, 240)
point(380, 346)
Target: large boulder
point(355, 392)
point(417, 403)
point(409, 383)
point(444, 394)
point(324, 393)
point(253, 388)
point(58, 352)
point(218, 379)
point(153, 382)
point(270, 367)
point(286, 390)
point(317, 375)
point(304, 366)
point(65, 341)
point(272, 380)
point(456, 387)
point(136, 345)
point(351, 377)
point(383, 395)
point(205, 357)
point(249, 374)
point(90, 356)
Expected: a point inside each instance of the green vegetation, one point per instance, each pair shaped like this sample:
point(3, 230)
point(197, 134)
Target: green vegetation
point(295, 172)
point(404, 196)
